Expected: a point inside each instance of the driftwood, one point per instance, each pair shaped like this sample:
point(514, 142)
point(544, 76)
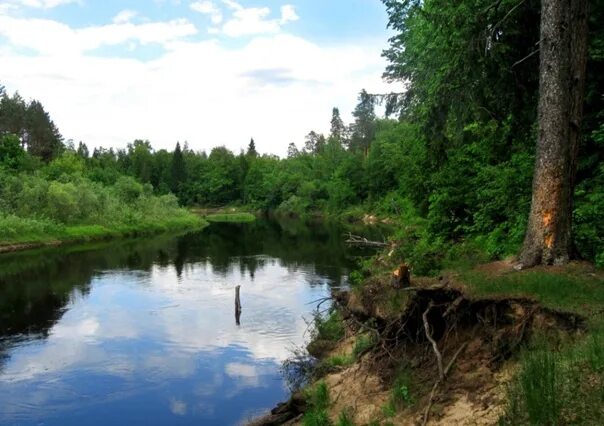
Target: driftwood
point(357, 240)
point(237, 306)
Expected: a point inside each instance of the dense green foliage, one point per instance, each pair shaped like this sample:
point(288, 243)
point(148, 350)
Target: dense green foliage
point(51, 191)
point(454, 169)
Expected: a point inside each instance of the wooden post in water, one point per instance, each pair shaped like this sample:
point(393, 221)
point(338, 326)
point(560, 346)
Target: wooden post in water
point(237, 305)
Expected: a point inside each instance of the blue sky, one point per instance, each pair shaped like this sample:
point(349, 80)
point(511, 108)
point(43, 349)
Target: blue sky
point(175, 70)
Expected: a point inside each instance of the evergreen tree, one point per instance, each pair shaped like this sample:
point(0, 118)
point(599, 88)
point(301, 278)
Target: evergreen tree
point(338, 128)
point(42, 138)
point(563, 55)
point(179, 173)
point(12, 114)
point(251, 149)
point(82, 150)
point(363, 128)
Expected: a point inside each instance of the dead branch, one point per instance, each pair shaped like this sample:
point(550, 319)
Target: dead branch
point(525, 58)
point(362, 241)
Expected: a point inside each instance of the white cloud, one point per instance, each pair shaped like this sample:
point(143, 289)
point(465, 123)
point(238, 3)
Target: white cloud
point(50, 37)
point(276, 87)
point(208, 8)
point(124, 16)
point(253, 20)
point(288, 14)
point(178, 407)
point(39, 4)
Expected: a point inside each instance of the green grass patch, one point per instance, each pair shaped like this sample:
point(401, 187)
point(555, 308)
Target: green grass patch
point(330, 327)
point(568, 291)
point(338, 361)
point(555, 387)
point(363, 344)
point(17, 230)
point(318, 400)
point(345, 419)
point(231, 218)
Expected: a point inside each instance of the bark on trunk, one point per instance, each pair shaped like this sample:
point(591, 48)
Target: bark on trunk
point(563, 53)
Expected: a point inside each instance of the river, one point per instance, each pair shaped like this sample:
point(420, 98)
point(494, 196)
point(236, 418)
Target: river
point(144, 331)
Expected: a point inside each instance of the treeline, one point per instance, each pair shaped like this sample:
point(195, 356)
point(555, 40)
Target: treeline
point(454, 164)
point(47, 191)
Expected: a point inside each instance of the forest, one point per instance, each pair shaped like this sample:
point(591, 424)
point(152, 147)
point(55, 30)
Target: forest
point(489, 162)
point(451, 163)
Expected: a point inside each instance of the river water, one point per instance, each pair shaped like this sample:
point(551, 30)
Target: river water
point(144, 332)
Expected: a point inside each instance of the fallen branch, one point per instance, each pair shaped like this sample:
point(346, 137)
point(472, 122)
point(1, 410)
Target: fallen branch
point(362, 241)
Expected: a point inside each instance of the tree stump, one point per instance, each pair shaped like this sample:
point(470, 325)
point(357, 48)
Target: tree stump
point(237, 306)
point(401, 277)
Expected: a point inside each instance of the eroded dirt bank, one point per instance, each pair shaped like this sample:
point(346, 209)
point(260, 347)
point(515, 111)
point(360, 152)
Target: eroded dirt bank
point(436, 355)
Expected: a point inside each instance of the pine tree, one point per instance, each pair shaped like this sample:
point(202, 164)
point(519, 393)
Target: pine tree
point(338, 129)
point(251, 149)
point(179, 172)
point(82, 150)
point(563, 55)
point(363, 128)
point(43, 138)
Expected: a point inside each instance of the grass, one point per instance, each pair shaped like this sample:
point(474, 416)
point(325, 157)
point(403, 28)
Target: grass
point(330, 327)
point(576, 292)
point(557, 382)
point(363, 343)
point(318, 400)
point(555, 387)
point(17, 231)
point(345, 419)
point(230, 218)
point(400, 394)
point(337, 361)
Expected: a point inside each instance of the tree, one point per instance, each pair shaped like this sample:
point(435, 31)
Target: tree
point(251, 149)
point(43, 138)
point(82, 150)
point(292, 150)
point(363, 128)
point(12, 114)
point(139, 160)
point(563, 56)
point(179, 172)
point(11, 152)
point(338, 128)
point(314, 142)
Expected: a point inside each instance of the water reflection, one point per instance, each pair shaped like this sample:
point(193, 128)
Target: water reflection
point(144, 331)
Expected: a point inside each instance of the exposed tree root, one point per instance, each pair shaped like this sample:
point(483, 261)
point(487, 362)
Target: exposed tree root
point(477, 335)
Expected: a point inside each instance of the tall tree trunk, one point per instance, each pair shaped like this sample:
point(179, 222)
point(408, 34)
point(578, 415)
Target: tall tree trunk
point(563, 54)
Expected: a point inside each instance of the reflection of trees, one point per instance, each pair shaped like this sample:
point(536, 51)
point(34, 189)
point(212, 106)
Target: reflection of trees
point(296, 244)
point(36, 287)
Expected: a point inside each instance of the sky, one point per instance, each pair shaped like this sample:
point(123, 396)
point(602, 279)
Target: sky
point(209, 73)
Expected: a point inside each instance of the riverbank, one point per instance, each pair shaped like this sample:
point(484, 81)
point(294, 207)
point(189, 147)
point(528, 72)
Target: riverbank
point(485, 345)
point(51, 234)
